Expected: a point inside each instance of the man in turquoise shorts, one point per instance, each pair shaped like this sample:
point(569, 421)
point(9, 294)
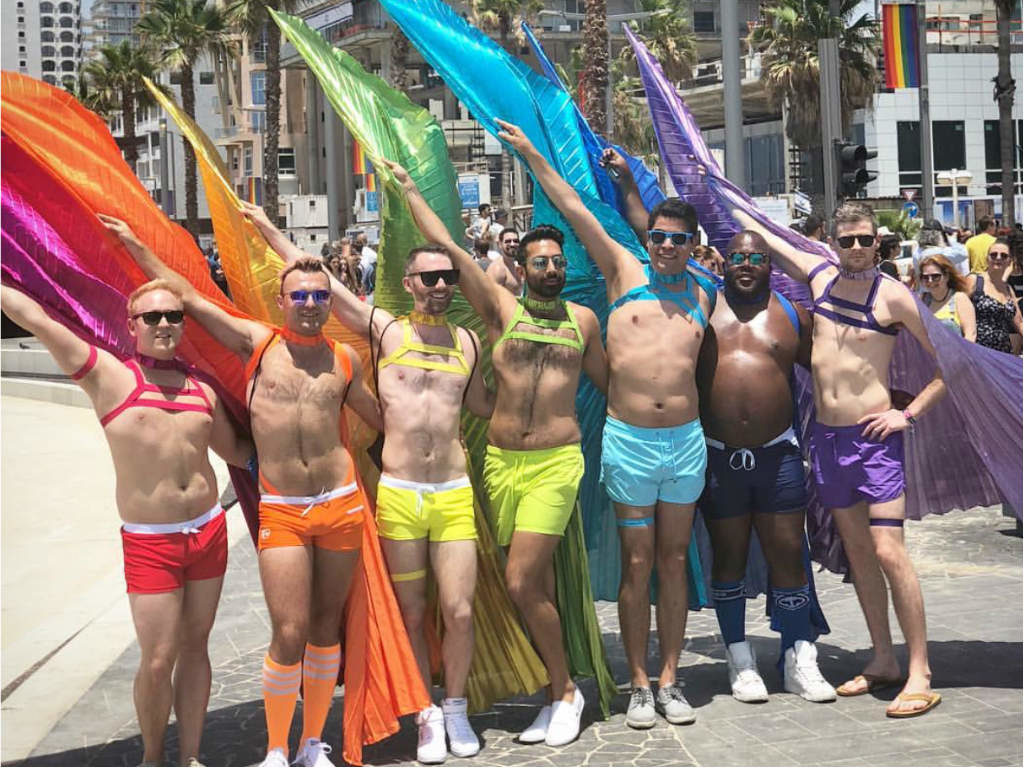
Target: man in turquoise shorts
point(534, 462)
point(653, 456)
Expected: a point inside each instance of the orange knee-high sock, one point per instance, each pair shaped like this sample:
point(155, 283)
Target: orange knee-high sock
point(319, 676)
point(280, 689)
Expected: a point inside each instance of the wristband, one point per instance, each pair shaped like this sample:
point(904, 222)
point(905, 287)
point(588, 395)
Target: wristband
point(910, 419)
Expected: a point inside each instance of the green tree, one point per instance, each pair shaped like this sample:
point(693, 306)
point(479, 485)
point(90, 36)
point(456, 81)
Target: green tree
point(1003, 94)
point(115, 86)
point(668, 36)
point(501, 16)
point(183, 31)
point(399, 58)
point(250, 17)
point(788, 41)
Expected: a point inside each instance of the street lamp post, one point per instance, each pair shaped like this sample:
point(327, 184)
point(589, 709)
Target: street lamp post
point(955, 177)
point(165, 192)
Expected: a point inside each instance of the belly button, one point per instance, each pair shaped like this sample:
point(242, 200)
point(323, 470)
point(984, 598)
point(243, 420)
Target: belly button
point(658, 406)
point(636, 320)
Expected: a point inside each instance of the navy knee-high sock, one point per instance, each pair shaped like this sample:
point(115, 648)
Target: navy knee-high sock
point(794, 611)
point(730, 607)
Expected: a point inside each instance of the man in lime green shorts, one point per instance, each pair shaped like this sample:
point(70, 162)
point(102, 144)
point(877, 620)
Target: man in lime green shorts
point(534, 462)
point(425, 369)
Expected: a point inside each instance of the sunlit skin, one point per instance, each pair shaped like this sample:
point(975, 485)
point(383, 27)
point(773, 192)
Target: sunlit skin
point(999, 267)
point(507, 271)
point(744, 374)
point(422, 443)
point(163, 475)
point(295, 404)
point(850, 369)
point(936, 282)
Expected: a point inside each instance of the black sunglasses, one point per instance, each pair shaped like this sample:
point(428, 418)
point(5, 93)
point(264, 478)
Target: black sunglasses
point(558, 261)
point(658, 237)
point(846, 241)
point(153, 317)
point(932, 278)
point(431, 276)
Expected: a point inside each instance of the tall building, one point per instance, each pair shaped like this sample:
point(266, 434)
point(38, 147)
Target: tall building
point(42, 39)
point(113, 21)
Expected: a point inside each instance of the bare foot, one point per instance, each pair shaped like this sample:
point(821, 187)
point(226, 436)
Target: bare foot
point(877, 674)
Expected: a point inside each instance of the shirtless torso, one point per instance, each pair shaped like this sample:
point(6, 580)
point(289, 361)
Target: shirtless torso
point(505, 271)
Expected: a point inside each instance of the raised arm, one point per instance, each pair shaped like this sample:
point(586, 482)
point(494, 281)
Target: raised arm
point(595, 360)
point(479, 399)
point(609, 256)
point(239, 335)
point(794, 262)
point(69, 351)
point(225, 438)
point(350, 311)
point(487, 299)
point(618, 170)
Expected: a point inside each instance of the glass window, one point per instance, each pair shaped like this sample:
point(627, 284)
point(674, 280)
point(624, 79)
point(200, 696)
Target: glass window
point(46, 37)
point(66, 22)
point(908, 149)
point(948, 144)
point(258, 82)
point(50, 79)
point(67, 66)
point(65, 37)
point(286, 160)
point(48, 50)
point(259, 122)
point(49, 66)
point(206, 78)
point(703, 21)
point(994, 155)
point(46, 21)
point(247, 162)
point(67, 50)
point(66, 8)
point(46, 7)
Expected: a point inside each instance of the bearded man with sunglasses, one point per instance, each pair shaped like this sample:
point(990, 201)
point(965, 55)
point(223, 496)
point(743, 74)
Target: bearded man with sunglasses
point(534, 462)
point(755, 469)
point(311, 507)
point(159, 423)
point(426, 369)
point(856, 445)
point(507, 271)
point(653, 454)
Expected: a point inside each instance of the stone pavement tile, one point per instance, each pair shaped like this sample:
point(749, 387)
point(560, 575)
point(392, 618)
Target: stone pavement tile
point(979, 746)
point(1004, 699)
point(773, 728)
point(744, 754)
point(1014, 759)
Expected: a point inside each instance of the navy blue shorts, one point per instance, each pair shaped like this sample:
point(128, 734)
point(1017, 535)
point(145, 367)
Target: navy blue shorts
point(769, 479)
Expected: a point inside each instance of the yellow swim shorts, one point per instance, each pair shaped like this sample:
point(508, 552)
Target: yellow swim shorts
point(408, 510)
point(532, 491)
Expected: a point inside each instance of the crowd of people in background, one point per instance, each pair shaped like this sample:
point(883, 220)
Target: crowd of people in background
point(971, 280)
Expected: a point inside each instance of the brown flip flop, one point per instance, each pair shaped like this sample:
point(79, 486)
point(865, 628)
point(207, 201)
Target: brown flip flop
point(931, 698)
point(871, 683)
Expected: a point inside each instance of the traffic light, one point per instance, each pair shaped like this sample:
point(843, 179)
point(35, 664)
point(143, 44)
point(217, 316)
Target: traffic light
point(853, 175)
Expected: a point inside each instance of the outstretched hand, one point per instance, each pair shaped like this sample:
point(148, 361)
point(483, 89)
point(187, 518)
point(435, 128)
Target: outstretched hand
point(881, 425)
point(513, 135)
point(401, 175)
point(120, 230)
point(255, 214)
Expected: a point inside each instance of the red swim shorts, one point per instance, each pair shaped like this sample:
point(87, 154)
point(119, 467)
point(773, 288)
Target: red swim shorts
point(161, 558)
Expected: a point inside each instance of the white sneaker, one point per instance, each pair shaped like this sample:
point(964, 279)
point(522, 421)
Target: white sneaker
point(746, 683)
point(276, 758)
point(314, 753)
point(462, 741)
point(538, 729)
point(565, 721)
point(802, 676)
point(431, 747)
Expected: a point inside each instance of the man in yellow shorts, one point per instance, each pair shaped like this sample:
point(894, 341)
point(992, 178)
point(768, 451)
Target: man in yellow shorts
point(534, 462)
point(425, 369)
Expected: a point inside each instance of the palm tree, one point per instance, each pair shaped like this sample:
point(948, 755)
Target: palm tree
point(252, 19)
point(1003, 94)
point(788, 42)
point(183, 31)
point(399, 58)
point(501, 16)
point(594, 76)
point(668, 36)
point(115, 84)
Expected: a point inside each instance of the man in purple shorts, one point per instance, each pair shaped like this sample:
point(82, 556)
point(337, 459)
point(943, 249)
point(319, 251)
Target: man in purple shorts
point(857, 442)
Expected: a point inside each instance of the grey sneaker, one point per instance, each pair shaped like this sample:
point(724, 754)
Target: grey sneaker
point(674, 706)
point(640, 713)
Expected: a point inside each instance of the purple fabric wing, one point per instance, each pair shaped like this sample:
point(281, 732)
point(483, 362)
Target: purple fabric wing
point(968, 450)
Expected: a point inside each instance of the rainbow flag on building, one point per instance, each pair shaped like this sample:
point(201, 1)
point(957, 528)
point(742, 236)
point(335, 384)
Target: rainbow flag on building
point(899, 40)
point(362, 166)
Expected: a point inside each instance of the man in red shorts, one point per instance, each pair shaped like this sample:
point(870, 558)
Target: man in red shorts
point(311, 508)
point(159, 422)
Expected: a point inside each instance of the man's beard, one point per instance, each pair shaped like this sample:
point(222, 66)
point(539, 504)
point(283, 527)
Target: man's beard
point(547, 291)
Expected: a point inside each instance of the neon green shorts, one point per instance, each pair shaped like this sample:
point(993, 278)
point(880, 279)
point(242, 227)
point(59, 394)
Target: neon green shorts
point(532, 491)
point(407, 510)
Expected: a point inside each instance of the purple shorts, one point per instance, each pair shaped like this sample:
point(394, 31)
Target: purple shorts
point(849, 468)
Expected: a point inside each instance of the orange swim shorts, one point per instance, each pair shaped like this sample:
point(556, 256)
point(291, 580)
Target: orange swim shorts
point(330, 520)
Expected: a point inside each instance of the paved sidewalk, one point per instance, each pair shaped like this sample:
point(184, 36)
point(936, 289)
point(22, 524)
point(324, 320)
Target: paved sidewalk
point(970, 567)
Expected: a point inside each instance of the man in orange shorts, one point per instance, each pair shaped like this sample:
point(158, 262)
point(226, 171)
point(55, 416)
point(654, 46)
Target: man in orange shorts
point(311, 510)
point(174, 535)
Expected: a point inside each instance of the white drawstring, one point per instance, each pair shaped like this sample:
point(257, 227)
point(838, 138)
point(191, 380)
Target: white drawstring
point(746, 459)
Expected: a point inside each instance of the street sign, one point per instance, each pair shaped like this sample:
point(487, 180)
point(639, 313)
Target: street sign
point(909, 194)
point(910, 208)
point(469, 192)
